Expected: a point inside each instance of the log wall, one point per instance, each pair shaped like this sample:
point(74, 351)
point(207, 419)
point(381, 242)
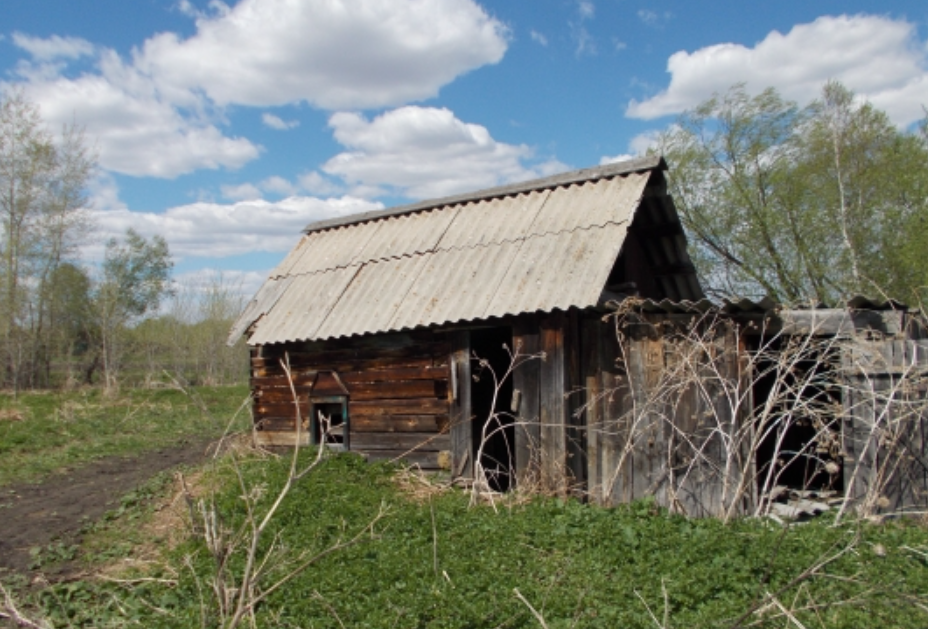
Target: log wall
point(399, 393)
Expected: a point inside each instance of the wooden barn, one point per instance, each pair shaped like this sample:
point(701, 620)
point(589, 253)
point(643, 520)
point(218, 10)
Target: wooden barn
point(383, 315)
point(398, 326)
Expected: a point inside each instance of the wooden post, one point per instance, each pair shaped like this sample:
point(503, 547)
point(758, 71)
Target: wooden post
point(462, 436)
point(592, 332)
point(526, 380)
point(575, 363)
point(553, 410)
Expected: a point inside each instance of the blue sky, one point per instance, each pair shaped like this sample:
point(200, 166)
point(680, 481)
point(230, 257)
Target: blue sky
point(226, 127)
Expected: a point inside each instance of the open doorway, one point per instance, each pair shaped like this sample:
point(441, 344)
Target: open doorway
point(490, 404)
point(796, 393)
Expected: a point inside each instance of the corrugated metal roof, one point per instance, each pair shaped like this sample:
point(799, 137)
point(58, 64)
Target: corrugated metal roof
point(536, 249)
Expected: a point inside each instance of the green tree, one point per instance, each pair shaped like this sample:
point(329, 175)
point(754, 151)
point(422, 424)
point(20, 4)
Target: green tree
point(811, 204)
point(69, 317)
point(135, 278)
point(42, 179)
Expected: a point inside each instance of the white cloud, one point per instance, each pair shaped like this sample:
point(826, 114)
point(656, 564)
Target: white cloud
point(103, 193)
point(637, 147)
point(331, 53)
point(243, 284)
point(586, 8)
point(586, 43)
point(278, 185)
point(538, 37)
point(653, 18)
point(315, 183)
point(54, 47)
point(424, 152)
point(134, 130)
point(879, 58)
point(275, 122)
point(160, 112)
point(241, 192)
point(215, 230)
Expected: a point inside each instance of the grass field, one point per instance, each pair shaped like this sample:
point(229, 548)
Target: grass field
point(437, 562)
point(44, 432)
point(434, 560)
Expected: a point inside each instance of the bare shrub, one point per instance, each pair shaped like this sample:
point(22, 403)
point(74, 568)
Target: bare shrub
point(725, 418)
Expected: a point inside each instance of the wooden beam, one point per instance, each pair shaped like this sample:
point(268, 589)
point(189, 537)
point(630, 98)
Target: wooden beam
point(525, 379)
point(553, 410)
point(462, 435)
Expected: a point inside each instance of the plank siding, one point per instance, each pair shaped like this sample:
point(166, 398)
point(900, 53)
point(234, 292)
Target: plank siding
point(526, 380)
point(554, 409)
point(462, 436)
point(398, 385)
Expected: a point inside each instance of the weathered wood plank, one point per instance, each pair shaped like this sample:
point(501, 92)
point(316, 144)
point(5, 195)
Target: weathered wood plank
point(300, 379)
point(424, 459)
point(396, 390)
point(281, 409)
point(462, 436)
point(288, 439)
point(415, 406)
point(278, 424)
point(280, 395)
point(525, 379)
point(591, 346)
point(364, 363)
point(396, 374)
point(553, 411)
point(369, 441)
point(400, 423)
point(616, 465)
point(575, 402)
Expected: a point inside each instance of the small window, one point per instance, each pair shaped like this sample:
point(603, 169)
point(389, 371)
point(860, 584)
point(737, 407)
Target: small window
point(329, 421)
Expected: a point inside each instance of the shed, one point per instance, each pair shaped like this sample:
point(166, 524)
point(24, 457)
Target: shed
point(393, 323)
point(553, 334)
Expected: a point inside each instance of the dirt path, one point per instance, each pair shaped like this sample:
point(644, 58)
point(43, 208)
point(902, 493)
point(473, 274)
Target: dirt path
point(35, 515)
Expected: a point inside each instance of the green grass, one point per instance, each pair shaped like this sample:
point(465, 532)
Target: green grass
point(441, 563)
point(43, 432)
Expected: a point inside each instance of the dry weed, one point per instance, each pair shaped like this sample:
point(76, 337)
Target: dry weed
point(419, 486)
point(11, 415)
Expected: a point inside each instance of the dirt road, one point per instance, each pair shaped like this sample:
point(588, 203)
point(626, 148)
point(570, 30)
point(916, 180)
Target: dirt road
point(35, 515)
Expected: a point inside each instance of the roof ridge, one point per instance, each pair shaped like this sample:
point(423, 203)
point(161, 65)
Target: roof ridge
point(563, 179)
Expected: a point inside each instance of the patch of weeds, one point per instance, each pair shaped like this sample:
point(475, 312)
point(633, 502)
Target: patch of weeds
point(71, 428)
point(54, 554)
point(122, 531)
point(437, 562)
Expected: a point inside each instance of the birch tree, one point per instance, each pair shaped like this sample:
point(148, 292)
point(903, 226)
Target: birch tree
point(802, 204)
point(42, 179)
point(135, 278)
